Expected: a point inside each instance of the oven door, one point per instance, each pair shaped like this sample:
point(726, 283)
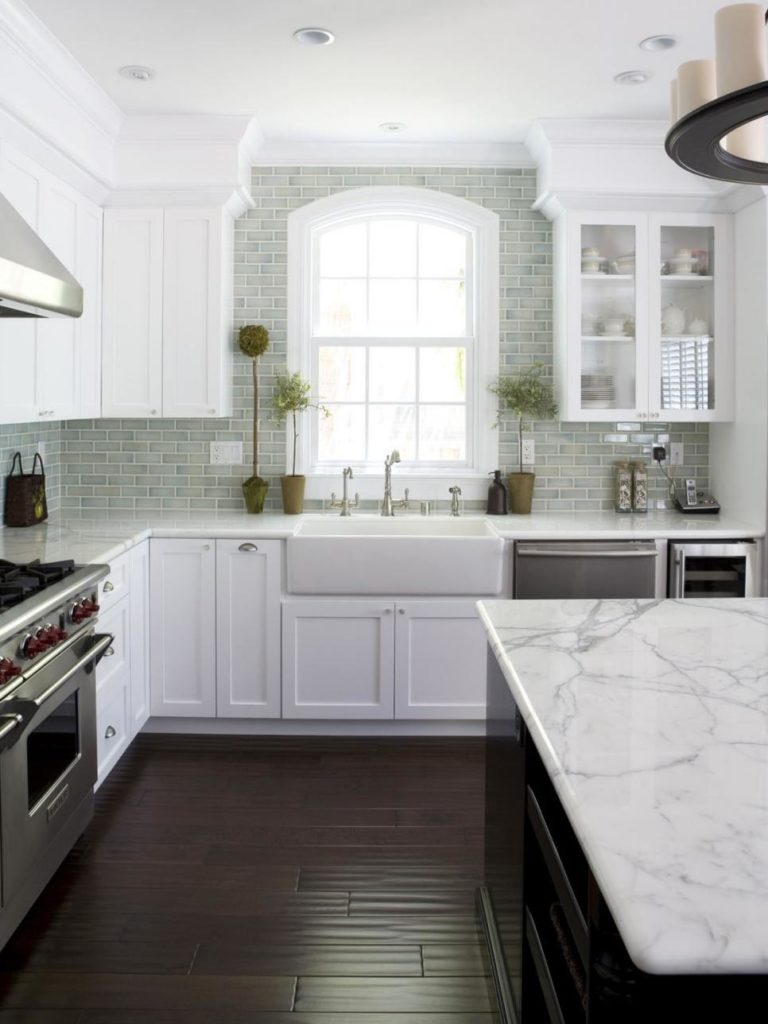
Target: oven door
point(48, 760)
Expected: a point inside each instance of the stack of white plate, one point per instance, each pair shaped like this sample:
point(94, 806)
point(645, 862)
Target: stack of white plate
point(598, 391)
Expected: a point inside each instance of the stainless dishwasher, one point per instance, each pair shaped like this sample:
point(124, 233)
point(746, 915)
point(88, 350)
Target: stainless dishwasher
point(585, 569)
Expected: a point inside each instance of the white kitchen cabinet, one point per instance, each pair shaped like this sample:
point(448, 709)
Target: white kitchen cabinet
point(132, 358)
point(50, 367)
point(615, 274)
point(440, 658)
point(183, 627)
point(367, 658)
point(248, 628)
point(338, 658)
point(113, 676)
point(167, 312)
point(139, 603)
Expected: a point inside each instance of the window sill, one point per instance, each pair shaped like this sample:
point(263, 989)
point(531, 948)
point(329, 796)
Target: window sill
point(422, 484)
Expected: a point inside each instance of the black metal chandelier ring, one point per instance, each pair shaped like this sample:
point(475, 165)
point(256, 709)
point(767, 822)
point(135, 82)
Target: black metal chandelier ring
point(694, 142)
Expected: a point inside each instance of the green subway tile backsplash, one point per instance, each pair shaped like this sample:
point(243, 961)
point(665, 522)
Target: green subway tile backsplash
point(154, 464)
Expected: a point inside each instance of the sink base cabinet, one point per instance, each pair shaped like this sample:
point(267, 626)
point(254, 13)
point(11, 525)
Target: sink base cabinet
point(378, 659)
point(214, 631)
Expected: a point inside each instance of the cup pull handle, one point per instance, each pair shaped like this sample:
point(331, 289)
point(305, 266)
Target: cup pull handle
point(248, 547)
point(110, 732)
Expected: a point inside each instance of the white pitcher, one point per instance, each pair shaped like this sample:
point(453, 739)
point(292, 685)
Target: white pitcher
point(672, 320)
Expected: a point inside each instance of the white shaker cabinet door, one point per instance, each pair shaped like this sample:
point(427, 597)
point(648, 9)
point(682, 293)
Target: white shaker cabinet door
point(183, 628)
point(139, 598)
point(338, 659)
point(132, 357)
point(21, 184)
point(88, 327)
point(440, 657)
point(248, 628)
point(58, 352)
point(197, 312)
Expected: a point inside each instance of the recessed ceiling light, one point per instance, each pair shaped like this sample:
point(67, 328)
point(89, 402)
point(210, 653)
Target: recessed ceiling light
point(313, 36)
point(632, 77)
point(657, 44)
point(137, 72)
point(392, 127)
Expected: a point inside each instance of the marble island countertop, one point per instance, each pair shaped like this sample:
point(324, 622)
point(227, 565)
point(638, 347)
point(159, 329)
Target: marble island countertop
point(652, 720)
point(100, 536)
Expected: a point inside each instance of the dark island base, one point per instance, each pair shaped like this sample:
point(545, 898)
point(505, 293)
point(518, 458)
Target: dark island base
point(555, 950)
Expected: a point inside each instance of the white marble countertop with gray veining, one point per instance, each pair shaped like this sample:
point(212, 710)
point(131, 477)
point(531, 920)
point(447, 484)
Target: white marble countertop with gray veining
point(101, 536)
point(652, 720)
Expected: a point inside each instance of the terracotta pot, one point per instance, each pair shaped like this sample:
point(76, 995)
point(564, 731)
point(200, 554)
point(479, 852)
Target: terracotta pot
point(293, 494)
point(254, 492)
point(520, 492)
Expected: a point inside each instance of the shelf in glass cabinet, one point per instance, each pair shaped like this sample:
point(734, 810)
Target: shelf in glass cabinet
point(695, 280)
point(625, 278)
point(607, 337)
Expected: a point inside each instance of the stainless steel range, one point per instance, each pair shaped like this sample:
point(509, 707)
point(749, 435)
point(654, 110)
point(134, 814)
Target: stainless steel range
point(48, 652)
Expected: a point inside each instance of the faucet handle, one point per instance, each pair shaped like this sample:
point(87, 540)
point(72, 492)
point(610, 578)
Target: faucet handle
point(454, 490)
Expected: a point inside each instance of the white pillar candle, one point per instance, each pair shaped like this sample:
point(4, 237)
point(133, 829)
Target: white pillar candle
point(741, 61)
point(695, 85)
point(673, 102)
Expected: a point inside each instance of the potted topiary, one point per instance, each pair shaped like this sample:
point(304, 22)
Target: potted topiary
point(253, 340)
point(527, 397)
point(292, 397)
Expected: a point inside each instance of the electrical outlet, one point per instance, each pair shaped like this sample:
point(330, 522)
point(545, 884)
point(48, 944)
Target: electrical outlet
point(676, 453)
point(529, 452)
point(226, 453)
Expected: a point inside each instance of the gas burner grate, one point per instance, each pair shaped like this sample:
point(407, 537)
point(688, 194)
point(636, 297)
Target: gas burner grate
point(19, 581)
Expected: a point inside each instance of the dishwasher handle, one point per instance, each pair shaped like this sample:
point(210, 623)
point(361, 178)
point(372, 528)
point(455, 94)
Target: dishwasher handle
point(614, 551)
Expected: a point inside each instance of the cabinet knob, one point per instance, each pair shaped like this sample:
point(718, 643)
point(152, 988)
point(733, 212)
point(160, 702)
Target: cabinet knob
point(247, 547)
point(206, 547)
point(108, 587)
point(401, 611)
point(153, 412)
point(211, 412)
point(109, 652)
point(109, 732)
point(387, 611)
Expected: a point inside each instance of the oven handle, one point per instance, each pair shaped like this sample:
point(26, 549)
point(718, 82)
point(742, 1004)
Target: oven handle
point(12, 722)
point(94, 655)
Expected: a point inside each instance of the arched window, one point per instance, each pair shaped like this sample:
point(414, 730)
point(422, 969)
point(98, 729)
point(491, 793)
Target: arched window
point(393, 316)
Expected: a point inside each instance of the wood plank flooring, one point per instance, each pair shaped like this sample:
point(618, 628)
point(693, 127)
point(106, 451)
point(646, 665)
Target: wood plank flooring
point(267, 881)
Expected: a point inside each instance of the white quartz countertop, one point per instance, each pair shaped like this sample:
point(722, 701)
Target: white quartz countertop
point(652, 720)
point(98, 537)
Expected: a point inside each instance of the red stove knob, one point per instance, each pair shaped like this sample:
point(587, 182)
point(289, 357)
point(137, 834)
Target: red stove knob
point(31, 646)
point(8, 670)
point(90, 606)
point(78, 613)
point(48, 635)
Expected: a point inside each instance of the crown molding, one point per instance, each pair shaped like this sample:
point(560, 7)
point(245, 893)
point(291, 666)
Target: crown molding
point(603, 165)
point(274, 153)
point(21, 27)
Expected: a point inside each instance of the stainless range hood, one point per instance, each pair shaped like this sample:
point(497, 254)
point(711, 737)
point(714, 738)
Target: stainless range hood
point(32, 281)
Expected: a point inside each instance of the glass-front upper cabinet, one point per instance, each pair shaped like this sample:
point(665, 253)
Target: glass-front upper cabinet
point(692, 333)
point(643, 317)
point(602, 324)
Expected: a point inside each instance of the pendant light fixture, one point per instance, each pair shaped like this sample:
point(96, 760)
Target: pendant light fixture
point(717, 105)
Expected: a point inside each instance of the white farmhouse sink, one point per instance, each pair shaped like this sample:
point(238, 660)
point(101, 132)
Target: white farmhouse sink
point(397, 555)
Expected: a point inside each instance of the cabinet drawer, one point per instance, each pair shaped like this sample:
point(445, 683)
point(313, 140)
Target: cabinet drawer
point(111, 726)
point(115, 587)
point(115, 665)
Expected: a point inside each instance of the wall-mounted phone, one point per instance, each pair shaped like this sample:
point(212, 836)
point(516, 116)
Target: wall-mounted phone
point(688, 499)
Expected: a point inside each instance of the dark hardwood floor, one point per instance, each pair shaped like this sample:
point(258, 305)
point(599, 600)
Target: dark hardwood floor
point(267, 881)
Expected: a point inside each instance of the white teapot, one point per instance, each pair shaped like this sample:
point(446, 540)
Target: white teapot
point(672, 320)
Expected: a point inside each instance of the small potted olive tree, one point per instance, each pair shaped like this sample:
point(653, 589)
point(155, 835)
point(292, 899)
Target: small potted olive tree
point(527, 397)
point(253, 340)
point(291, 399)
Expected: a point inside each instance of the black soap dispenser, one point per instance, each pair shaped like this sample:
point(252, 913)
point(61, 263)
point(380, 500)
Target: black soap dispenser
point(497, 495)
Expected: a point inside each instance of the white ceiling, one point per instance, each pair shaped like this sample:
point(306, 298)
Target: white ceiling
point(452, 70)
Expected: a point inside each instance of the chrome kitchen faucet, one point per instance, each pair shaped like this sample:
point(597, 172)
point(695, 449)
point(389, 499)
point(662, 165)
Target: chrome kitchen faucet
point(388, 506)
point(345, 504)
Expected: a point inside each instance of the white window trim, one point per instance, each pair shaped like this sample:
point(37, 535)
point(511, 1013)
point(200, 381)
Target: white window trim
point(453, 210)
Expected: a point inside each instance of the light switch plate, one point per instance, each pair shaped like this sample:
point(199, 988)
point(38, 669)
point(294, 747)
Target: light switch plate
point(529, 452)
point(676, 453)
point(226, 453)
